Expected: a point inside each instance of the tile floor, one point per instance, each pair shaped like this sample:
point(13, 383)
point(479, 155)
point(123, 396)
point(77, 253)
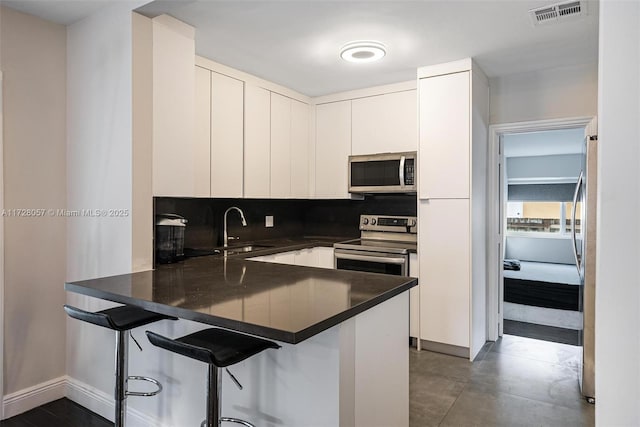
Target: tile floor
point(515, 381)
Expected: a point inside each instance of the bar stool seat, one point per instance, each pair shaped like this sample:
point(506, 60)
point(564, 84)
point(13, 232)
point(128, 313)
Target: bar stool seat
point(121, 319)
point(218, 348)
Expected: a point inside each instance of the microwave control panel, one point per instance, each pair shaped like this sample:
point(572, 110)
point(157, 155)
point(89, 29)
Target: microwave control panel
point(409, 172)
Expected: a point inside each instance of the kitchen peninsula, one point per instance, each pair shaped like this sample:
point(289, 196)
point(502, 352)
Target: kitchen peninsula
point(329, 323)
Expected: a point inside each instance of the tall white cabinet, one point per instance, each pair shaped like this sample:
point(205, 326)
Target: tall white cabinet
point(453, 119)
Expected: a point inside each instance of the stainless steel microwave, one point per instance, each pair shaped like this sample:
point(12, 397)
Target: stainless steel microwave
point(383, 173)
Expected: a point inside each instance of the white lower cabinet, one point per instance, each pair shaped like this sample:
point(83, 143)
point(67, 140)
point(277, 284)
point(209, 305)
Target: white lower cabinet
point(320, 256)
point(444, 250)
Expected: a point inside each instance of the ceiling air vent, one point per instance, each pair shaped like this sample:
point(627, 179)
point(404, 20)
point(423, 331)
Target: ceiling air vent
point(558, 12)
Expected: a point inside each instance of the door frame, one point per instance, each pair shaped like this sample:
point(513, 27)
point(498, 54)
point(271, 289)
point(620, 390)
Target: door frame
point(495, 236)
point(1, 250)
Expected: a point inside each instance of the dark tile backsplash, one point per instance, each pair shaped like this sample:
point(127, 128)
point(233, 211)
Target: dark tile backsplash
point(292, 217)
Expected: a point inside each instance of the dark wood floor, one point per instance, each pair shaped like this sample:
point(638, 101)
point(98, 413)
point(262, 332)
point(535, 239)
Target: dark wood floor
point(59, 413)
point(542, 332)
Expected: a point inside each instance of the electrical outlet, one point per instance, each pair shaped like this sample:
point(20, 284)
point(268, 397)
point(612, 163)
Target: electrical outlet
point(268, 221)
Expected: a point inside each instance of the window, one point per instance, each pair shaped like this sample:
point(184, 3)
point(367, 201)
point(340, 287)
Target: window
point(541, 217)
point(538, 217)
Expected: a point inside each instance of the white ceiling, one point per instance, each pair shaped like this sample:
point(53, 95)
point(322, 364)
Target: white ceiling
point(547, 143)
point(63, 12)
point(296, 43)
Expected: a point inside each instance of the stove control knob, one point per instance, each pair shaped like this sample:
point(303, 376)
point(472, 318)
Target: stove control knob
point(365, 221)
point(412, 223)
point(373, 221)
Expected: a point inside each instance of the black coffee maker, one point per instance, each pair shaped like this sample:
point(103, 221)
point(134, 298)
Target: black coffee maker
point(169, 245)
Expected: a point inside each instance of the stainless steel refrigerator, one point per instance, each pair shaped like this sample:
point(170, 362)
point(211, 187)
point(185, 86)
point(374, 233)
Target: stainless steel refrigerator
point(584, 245)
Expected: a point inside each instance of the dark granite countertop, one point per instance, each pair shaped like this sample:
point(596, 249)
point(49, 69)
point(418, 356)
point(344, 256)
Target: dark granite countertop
point(276, 301)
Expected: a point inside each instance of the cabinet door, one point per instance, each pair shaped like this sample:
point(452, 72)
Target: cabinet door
point(414, 297)
point(299, 149)
point(333, 147)
point(174, 152)
point(385, 123)
point(444, 144)
point(444, 252)
point(280, 146)
point(202, 139)
point(227, 133)
point(305, 258)
point(257, 146)
point(285, 258)
point(324, 257)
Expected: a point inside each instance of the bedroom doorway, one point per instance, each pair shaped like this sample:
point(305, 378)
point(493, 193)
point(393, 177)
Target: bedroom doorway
point(498, 198)
point(541, 284)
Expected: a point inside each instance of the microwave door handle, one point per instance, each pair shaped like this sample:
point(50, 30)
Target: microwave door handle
point(401, 171)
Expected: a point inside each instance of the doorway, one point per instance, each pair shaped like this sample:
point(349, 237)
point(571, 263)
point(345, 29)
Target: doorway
point(498, 195)
point(541, 284)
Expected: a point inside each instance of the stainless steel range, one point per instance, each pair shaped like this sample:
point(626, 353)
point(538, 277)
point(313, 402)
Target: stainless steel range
point(383, 247)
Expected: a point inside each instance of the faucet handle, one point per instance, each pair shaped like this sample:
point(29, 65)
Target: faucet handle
point(233, 238)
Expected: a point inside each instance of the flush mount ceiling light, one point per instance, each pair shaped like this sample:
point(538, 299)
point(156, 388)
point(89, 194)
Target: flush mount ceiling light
point(363, 51)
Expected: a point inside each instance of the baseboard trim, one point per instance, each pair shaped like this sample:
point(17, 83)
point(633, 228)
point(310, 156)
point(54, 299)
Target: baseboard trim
point(31, 397)
point(83, 394)
point(453, 350)
point(103, 404)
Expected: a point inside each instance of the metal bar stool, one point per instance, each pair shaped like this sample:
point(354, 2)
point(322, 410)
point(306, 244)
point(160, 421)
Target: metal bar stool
point(218, 348)
point(122, 320)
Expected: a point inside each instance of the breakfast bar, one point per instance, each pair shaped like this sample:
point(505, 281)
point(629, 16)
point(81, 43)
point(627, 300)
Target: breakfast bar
point(328, 322)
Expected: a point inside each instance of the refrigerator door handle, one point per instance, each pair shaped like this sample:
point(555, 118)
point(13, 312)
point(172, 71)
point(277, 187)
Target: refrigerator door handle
point(573, 220)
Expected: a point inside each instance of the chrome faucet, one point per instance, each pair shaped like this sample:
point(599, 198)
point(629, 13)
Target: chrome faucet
point(226, 237)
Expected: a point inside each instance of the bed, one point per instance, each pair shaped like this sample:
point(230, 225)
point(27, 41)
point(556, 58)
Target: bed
point(543, 284)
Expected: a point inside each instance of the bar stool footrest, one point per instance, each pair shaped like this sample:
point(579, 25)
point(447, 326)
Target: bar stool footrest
point(144, 394)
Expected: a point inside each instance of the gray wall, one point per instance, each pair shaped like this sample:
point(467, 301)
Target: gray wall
point(539, 249)
point(557, 166)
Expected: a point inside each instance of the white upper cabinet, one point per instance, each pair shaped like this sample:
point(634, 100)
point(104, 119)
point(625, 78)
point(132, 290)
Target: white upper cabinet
point(175, 157)
point(257, 144)
point(333, 147)
point(218, 135)
point(202, 139)
point(227, 133)
point(385, 123)
point(445, 132)
point(299, 149)
point(280, 146)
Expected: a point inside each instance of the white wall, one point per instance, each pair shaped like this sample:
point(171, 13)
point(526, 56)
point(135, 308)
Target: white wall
point(32, 54)
point(99, 158)
point(618, 250)
point(544, 94)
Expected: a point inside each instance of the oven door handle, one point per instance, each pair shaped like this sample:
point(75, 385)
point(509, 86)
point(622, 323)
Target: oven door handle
point(387, 260)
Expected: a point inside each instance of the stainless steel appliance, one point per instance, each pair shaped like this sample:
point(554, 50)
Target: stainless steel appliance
point(383, 247)
point(383, 173)
point(584, 246)
point(169, 239)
